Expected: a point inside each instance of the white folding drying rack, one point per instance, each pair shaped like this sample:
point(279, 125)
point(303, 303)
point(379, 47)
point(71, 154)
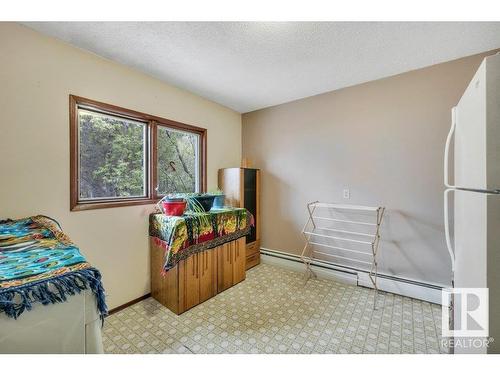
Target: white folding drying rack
point(361, 239)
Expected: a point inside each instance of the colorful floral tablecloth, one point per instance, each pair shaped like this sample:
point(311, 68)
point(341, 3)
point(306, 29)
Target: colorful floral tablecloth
point(182, 236)
point(40, 264)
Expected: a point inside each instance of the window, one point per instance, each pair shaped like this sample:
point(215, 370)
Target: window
point(177, 167)
point(112, 156)
point(121, 157)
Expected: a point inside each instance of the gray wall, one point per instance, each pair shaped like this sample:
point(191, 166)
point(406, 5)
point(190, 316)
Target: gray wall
point(384, 141)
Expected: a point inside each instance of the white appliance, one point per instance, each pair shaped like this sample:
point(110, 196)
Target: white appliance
point(72, 327)
point(475, 250)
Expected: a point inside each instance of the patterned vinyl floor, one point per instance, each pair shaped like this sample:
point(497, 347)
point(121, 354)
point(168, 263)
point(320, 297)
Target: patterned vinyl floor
point(273, 311)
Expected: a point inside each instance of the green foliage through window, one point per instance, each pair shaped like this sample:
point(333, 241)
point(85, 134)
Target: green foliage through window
point(113, 160)
point(112, 156)
point(177, 161)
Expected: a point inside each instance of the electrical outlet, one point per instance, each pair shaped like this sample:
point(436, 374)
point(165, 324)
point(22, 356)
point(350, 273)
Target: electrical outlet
point(347, 194)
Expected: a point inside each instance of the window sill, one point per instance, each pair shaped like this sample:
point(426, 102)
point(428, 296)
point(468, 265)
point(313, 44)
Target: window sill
point(94, 205)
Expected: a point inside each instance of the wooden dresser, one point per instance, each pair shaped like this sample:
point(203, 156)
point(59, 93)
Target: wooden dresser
point(242, 189)
point(197, 278)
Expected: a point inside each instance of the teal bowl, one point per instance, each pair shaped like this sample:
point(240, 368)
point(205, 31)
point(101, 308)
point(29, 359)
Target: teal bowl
point(219, 201)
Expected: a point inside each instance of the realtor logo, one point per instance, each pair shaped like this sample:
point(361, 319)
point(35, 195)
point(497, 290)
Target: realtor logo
point(470, 312)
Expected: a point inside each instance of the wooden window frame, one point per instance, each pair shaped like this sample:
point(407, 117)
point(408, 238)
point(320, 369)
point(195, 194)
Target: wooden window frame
point(153, 122)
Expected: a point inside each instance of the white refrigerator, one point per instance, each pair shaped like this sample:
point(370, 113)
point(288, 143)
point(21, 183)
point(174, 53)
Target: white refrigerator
point(474, 242)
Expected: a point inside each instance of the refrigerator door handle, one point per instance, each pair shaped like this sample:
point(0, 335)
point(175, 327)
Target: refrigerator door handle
point(447, 148)
point(447, 230)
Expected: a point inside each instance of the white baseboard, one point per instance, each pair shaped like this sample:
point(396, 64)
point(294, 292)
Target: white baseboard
point(324, 273)
point(405, 287)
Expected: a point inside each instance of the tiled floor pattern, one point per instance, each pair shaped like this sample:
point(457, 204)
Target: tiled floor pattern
point(275, 311)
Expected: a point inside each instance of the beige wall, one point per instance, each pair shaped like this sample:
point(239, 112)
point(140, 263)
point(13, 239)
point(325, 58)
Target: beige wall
point(37, 74)
point(384, 141)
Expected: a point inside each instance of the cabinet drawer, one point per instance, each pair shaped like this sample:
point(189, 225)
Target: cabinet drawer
point(253, 248)
point(252, 260)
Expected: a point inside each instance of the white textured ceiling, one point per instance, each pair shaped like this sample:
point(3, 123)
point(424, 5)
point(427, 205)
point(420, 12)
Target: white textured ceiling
point(251, 65)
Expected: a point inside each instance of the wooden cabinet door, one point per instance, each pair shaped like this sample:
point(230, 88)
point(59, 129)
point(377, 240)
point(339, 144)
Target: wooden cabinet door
point(191, 282)
point(164, 288)
point(208, 274)
point(225, 267)
point(239, 260)
point(231, 182)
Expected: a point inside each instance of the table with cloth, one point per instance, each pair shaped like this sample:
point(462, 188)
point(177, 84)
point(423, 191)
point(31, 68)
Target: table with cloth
point(182, 236)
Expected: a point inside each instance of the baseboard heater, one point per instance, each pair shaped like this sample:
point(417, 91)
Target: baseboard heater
point(389, 283)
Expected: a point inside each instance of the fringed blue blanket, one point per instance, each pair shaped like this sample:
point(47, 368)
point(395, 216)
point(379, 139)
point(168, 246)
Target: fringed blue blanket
point(40, 264)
